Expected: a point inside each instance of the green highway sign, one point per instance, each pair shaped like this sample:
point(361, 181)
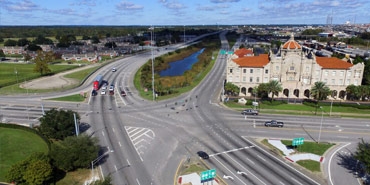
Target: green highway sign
point(230, 52)
point(222, 52)
point(207, 175)
point(297, 141)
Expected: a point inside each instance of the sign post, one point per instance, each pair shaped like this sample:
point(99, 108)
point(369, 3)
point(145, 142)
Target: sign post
point(208, 175)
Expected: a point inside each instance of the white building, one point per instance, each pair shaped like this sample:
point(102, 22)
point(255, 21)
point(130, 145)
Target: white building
point(295, 69)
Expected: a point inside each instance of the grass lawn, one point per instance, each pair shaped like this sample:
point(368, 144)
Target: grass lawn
point(310, 147)
point(76, 177)
point(16, 145)
point(74, 98)
point(11, 73)
point(311, 165)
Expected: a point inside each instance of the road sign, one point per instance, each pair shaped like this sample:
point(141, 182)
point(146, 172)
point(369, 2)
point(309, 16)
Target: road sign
point(222, 52)
point(207, 175)
point(297, 141)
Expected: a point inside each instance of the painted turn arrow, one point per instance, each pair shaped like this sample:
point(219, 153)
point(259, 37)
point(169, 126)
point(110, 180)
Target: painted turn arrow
point(241, 173)
point(228, 177)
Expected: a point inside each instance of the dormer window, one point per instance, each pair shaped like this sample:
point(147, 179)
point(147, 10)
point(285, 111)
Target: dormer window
point(292, 68)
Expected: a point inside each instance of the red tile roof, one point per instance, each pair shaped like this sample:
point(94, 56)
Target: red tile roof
point(332, 63)
point(243, 52)
point(253, 61)
point(291, 44)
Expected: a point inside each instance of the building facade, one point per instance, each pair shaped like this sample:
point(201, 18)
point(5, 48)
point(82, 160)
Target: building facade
point(296, 70)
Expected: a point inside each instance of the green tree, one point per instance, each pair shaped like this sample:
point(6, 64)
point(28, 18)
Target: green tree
point(262, 90)
point(2, 54)
point(74, 152)
point(363, 154)
point(10, 42)
point(23, 42)
point(58, 124)
point(38, 172)
point(27, 57)
point(231, 88)
point(33, 47)
point(320, 91)
point(36, 169)
point(274, 87)
point(352, 92)
point(42, 60)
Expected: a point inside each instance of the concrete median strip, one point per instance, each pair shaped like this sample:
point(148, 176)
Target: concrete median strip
point(294, 157)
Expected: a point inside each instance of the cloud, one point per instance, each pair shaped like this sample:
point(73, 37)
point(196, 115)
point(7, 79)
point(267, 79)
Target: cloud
point(206, 8)
point(225, 1)
point(84, 3)
point(24, 5)
point(129, 6)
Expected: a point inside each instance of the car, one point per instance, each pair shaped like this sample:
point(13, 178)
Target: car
point(114, 69)
point(250, 112)
point(103, 92)
point(203, 155)
point(111, 87)
point(111, 92)
point(123, 93)
point(104, 87)
point(93, 93)
point(274, 123)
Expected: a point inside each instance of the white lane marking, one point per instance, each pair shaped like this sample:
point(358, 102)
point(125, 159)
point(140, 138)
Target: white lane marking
point(261, 158)
point(116, 167)
point(246, 170)
point(197, 112)
point(138, 132)
point(295, 180)
point(331, 157)
point(128, 162)
point(119, 143)
point(233, 150)
point(137, 180)
point(102, 133)
point(229, 171)
point(113, 129)
point(283, 162)
point(281, 183)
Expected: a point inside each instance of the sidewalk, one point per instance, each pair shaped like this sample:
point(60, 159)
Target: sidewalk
point(294, 157)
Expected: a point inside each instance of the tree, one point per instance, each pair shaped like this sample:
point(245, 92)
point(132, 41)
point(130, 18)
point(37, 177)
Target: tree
point(42, 60)
point(320, 91)
point(74, 152)
point(95, 40)
point(2, 54)
point(58, 124)
point(231, 88)
point(36, 169)
point(274, 87)
point(352, 92)
point(363, 154)
point(27, 57)
point(33, 47)
point(262, 90)
point(23, 42)
point(110, 45)
point(10, 42)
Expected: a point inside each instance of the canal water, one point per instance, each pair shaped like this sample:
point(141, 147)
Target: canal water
point(179, 67)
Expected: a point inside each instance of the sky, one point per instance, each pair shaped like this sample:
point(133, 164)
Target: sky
point(182, 12)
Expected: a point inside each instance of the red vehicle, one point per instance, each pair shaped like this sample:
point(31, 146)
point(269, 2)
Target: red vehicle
point(97, 82)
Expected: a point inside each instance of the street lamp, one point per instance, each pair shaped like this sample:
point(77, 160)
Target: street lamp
point(151, 41)
point(95, 161)
point(322, 116)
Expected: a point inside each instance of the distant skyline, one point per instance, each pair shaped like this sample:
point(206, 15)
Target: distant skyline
point(182, 12)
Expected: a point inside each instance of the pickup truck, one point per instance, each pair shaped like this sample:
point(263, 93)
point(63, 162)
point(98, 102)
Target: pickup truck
point(274, 123)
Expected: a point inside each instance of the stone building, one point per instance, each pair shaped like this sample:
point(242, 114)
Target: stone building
point(297, 70)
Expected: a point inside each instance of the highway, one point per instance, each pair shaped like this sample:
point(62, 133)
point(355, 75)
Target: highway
point(144, 141)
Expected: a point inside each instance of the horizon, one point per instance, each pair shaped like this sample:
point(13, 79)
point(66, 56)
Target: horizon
point(182, 13)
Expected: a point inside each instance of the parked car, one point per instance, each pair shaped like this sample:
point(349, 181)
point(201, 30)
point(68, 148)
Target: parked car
point(274, 123)
point(94, 93)
point(111, 92)
point(104, 87)
point(203, 155)
point(102, 92)
point(250, 112)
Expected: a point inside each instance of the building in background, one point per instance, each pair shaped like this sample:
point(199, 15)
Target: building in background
point(297, 70)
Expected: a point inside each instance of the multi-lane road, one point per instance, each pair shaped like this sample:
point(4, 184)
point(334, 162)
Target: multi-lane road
point(144, 141)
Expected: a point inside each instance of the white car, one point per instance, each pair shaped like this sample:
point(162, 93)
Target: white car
point(103, 92)
point(104, 88)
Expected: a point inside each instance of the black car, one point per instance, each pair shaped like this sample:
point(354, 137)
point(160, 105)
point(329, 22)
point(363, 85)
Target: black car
point(274, 123)
point(250, 112)
point(94, 93)
point(203, 155)
point(123, 93)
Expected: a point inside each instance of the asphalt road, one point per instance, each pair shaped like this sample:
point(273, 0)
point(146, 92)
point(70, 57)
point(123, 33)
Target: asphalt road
point(144, 141)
